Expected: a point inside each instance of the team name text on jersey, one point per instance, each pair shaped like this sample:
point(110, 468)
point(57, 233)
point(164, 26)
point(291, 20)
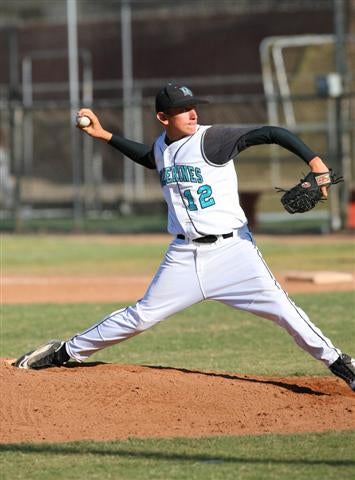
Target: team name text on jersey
point(180, 173)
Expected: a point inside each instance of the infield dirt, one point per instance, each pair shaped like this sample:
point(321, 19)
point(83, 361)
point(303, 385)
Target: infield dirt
point(59, 289)
point(35, 288)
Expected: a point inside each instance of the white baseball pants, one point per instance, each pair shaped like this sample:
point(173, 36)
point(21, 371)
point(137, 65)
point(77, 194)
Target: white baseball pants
point(231, 271)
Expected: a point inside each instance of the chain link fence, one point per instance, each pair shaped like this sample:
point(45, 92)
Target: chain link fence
point(42, 176)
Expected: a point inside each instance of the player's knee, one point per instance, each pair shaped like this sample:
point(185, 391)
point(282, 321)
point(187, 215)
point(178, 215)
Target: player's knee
point(145, 323)
point(146, 318)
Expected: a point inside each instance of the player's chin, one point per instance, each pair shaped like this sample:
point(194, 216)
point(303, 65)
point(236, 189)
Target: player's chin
point(191, 129)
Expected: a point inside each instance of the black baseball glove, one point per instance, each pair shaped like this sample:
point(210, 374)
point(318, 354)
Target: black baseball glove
point(305, 195)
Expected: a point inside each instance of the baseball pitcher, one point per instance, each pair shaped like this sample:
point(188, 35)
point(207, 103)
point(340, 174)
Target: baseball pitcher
point(212, 254)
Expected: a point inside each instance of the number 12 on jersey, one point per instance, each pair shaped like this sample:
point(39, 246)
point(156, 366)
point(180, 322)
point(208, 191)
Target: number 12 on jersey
point(204, 198)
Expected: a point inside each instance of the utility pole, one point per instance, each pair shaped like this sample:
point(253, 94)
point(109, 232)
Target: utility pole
point(341, 120)
point(127, 77)
point(16, 124)
point(74, 105)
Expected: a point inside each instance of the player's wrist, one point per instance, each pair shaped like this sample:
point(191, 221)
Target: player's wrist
point(317, 165)
point(105, 135)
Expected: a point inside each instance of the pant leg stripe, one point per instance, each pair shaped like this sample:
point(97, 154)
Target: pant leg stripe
point(96, 325)
point(290, 301)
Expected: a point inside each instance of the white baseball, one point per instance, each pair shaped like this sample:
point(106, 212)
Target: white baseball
point(83, 121)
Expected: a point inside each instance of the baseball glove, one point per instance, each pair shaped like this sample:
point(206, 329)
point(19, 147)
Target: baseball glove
point(305, 195)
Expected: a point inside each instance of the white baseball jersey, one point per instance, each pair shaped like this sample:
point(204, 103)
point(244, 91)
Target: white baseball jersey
point(202, 197)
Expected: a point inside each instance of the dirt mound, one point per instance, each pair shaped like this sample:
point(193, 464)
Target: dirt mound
point(108, 402)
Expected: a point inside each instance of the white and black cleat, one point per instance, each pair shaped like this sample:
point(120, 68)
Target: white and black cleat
point(43, 357)
point(344, 367)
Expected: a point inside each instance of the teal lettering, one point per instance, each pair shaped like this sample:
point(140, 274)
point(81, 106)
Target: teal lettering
point(191, 173)
point(180, 173)
point(174, 175)
point(198, 175)
point(162, 177)
point(183, 174)
point(168, 174)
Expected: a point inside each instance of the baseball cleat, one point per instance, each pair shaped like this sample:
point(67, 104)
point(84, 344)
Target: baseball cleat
point(43, 356)
point(344, 368)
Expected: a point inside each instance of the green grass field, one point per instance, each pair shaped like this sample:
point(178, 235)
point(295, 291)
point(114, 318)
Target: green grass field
point(156, 222)
point(264, 457)
point(206, 336)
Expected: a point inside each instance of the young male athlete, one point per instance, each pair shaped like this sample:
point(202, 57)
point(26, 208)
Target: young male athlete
point(213, 254)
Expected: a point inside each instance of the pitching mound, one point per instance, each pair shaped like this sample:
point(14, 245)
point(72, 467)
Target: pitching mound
point(109, 402)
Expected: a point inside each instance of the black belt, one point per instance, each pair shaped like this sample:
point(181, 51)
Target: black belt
point(206, 238)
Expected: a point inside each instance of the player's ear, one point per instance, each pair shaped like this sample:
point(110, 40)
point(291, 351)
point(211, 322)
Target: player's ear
point(163, 118)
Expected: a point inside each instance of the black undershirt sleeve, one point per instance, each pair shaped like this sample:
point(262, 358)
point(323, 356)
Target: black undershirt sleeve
point(222, 143)
point(279, 136)
point(138, 152)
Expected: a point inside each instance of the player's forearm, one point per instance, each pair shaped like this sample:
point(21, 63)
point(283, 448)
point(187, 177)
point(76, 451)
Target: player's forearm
point(138, 152)
point(282, 137)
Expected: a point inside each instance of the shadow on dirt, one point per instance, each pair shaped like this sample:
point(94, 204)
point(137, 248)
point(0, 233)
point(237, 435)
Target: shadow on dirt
point(279, 383)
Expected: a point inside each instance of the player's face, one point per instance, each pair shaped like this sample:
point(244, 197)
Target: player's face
point(179, 121)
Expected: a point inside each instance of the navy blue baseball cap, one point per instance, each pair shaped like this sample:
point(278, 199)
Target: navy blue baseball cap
point(174, 95)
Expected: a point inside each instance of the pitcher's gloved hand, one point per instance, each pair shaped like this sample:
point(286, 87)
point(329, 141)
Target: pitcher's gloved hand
point(305, 195)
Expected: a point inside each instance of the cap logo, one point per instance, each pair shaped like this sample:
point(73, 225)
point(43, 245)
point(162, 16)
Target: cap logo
point(186, 91)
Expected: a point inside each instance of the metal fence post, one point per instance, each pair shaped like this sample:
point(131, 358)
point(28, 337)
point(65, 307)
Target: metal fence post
point(74, 105)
